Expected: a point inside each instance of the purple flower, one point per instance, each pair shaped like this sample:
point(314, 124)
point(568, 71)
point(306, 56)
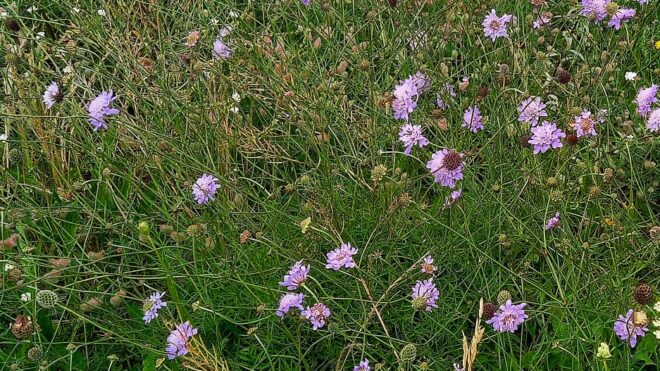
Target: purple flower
point(316, 314)
point(177, 341)
point(594, 9)
point(221, 50)
point(52, 95)
point(411, 135)
point(363, 366)
point(99, 108)
point(653, 124)
point(421, 82)
point(508, 317)
point(452, 199)
point(405, 99)
point(646, 98)
point(426, 290)
point(642, 2)
point(472, 119)
point(495, 26)
point(546, 136)
point(152, 305)
point(427, 265)
point(621, 15)
point(341, 257)
point(446, 165)
point(447, 91)
point(542, 20)
point(288, 301)
point(531, 110)
point(305, 2)
point(296, 276)
point(553, 222)
point(585, 125)
point(626, 329)
point(205, 188)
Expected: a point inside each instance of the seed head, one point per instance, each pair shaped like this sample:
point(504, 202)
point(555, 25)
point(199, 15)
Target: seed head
point(643, 293)
point(47, 298)
point(611, 8)
point(452, 160)
point(562, 75)
point(378, 173)
point(35, 354)
point(12, 25)
point(489, 311)
point(22, 327)
point(408, 353)
point(503, 296)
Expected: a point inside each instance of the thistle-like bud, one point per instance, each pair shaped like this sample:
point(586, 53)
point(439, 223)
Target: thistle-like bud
point(503, 296)
point(408, 353)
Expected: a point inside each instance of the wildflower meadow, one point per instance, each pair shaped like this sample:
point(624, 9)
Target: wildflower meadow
point(330, 185)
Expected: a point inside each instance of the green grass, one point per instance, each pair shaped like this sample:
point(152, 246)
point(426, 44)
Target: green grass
point(303, 144)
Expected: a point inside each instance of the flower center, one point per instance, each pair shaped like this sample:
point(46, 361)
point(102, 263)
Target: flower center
point(452, 160)
point(495, 25)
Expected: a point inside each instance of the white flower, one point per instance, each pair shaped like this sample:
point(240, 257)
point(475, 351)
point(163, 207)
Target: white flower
point(656, 307)
point(233, 14)
point(40, 35)
point(9, 266)
point(3, 137)
point(101, 12)
point(76, 10)
point(631, 76)
point(214, 21)
point(25, 297)
point(31, 9)
point(234, 109)
point(236, 97)
point(3, 13)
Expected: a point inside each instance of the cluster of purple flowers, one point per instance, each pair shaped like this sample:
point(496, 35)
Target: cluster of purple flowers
point(585, 124)
point(205, 188)
point(411, 135)
point(220, 48)
point(598, 10)
point(428, 292)
point(531, 110)
point(446, 165)
point(646, 98)
point(341, 257)
point(472, 119)
point(427, 265)
point(152, 305)
point(177, 341)
point(405, 95)
point(626, 329)
point(99, 108)
point(296, 277)
point(553, 222)
point(546, 136)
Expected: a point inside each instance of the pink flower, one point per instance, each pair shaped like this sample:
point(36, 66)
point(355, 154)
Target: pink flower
point(585, 125)
point(546, 136)
point(531, 110)
point(472, 119)
point(316, 314)
point(495, 26)
point(653, 123)
point(411, 135)
point(646, 97)
point(341, 257)
point(508, 317)
point(447, 167)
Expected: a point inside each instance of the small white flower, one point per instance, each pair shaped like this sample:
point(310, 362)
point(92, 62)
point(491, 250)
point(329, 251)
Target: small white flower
point(9, 266)
point(101, 12)
point(76, 10)
point(3, 137)
point(656, 307)
point(236, 97)
point(3, 13)
point(631, 76)
point(31, 9)
point(233, 14)
point(26, 297)
point(214, 21)
point(40, 35)
point(234, 109)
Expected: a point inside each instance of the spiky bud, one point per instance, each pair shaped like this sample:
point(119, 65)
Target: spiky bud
point(643, 293)
point(489, 311)
point(408, 353)
point(503, 296)
point(196, 230)
point(35, 354)
point(608, 175)
point(15, 156)
point(378, 173)
point(551, 182)
point(562, 75)
point(47, 298)
point(595, 191)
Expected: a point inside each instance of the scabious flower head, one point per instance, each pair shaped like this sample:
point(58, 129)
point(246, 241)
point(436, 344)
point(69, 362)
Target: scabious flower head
point(553, 222)
point(446, 165)
point(305, 2)
point(472, 119)
point(99, 108)
point(316, 314)
point(508, 317)
point(495, 26)
point(152, 305)
point(177, 341)
point(542, 20)
point(428, 292)
point(546, 136)
point(192, 38)
point(531, 110)
point(341, 257)
point(621, 15)
point(427, 265)
point(411, 135)
point(221, 50)
point(653, 123)
point(625, 329)
point(646, 97)
point(447, 91)
point(363, 366)
point(205, 188)
point(452, 199)
point(594, 9)
point(297, 276)
point(404, 99)
point(52, 95)
point(585, 125)
point(289, 301)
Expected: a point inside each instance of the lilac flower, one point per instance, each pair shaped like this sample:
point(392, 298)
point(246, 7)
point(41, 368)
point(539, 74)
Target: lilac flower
point(404, 99)
point(421, 82)
point(531, 110)
point(594, 9)
point(621, 15)
point(221, 50)
point(152, 305)
point(542, 20)
point(553, 222)
point(625, 329)
point(316, 314)
point(495, 26)
point(472, 119)
point(452, 199)
point(653, 124)
point(642, 2)
point(427, 265)
point(363, 366)
point(99, 108)
point(585, 125)
point(546, 136)
point(646, 98)
point(205, 188)
point(508, 317)
point(341, 257)
point(411, 135)
point(177, 341)
point(428, 292)
point(52, 95)
point(447, 167)
point(288, 301)
point(305, 2)
point(448, 91)
point(296, 276)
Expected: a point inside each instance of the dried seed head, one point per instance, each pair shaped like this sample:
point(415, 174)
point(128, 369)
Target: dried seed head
point(563, 75)
point(343, 65)
point(35, 354)
point(378, 173)
point(196, 230)
point(419, 303)
point(22, 327)
point(640, 319)
point(245, 237)
point(47, 298)
point(452, 160)
point(489, 311)
point(608, 175)
point(595, 191)
point(408, 353)
point(392, 3)
point(572, 139)
point(503, 296)
point(12, 25)
point(643, 293)
point(654, 232)
point(551, 182)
